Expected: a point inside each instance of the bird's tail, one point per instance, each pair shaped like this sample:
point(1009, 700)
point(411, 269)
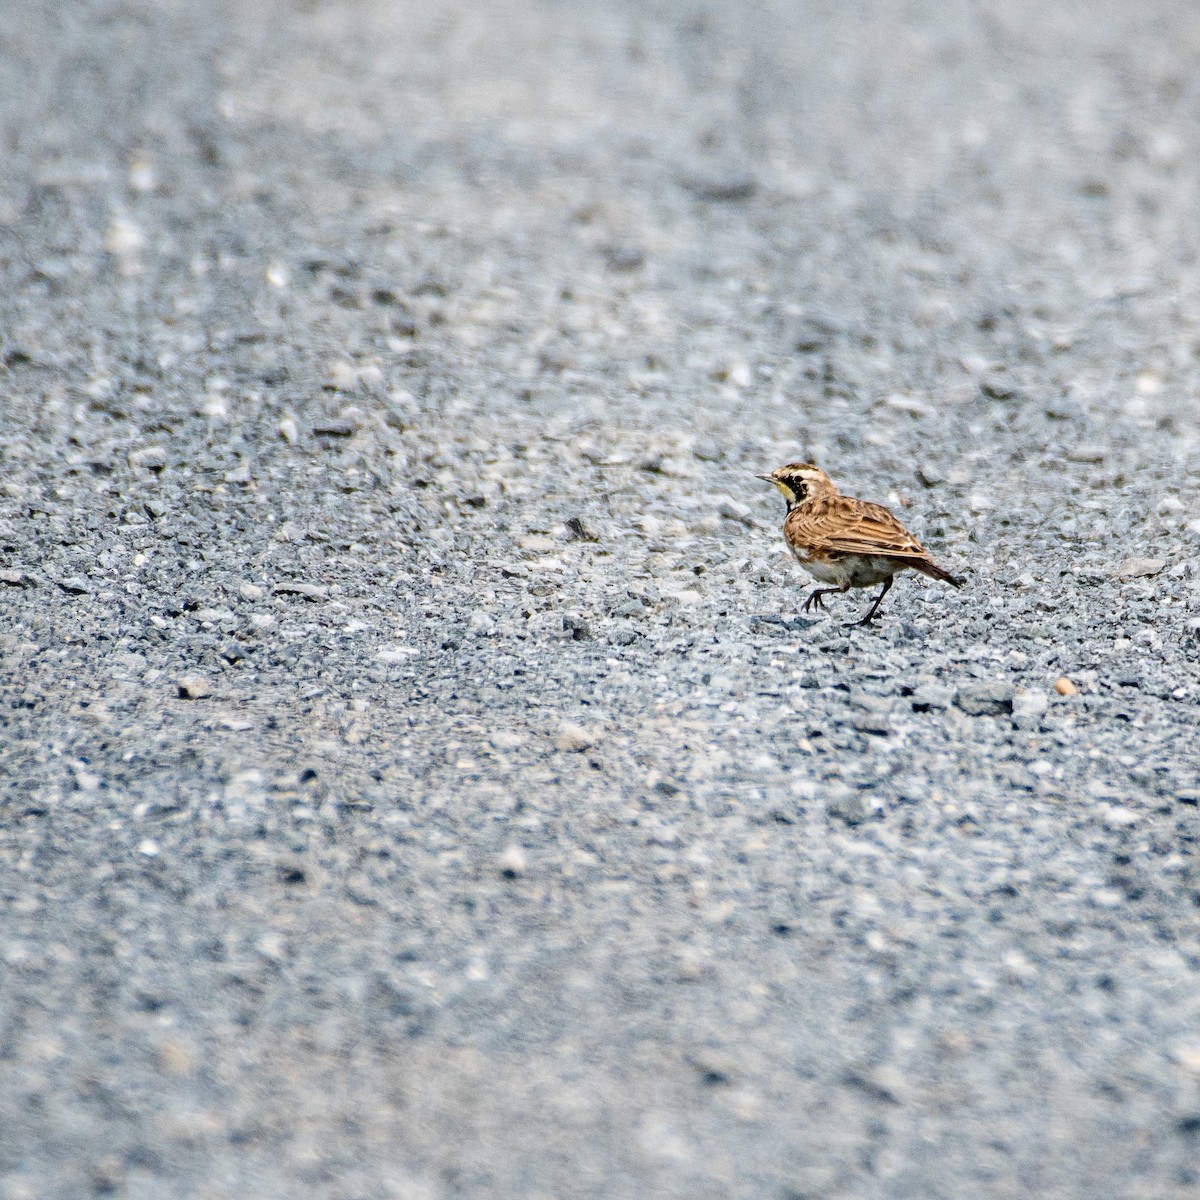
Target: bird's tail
point(928, 567)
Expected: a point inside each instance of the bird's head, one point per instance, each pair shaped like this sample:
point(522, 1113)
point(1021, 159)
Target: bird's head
point(799, 482)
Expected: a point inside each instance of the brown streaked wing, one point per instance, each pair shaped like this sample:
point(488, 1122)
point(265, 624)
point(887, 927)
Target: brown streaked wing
point(847, 526)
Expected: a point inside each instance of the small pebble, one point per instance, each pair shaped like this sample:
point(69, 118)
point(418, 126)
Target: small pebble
point(124, 238)
point(724, 186)
point(626, 256)
point(1139, 568)
point(1064, 687)
point(714, 1066)
point(506, 739)
point(997, 385)
point(578, 530)
point(310, 591)
point(194, 687)
point(868, 701)
point(927, 697)
point(335, 427)
point(577, 627)
point(1119, 817)
point(342, 375)
point(152, 458)
point(396, 654)
point(985, 699)
point(815, 330)
point(214, 406)
point(873, 723)
point(573, 738)
point(512, 862)
point(1030, 705)
point(272, 946)
point(1186, 1055)
point(142, 176)
point(849, 807)
point(735, 510)
point(176, 1059)
point(909, 405)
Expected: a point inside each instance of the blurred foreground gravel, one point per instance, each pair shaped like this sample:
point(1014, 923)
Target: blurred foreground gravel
point(416, 778)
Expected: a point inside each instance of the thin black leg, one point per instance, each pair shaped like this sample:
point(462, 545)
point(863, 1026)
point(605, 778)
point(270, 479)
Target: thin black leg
point(817, 599)
point(883, 591)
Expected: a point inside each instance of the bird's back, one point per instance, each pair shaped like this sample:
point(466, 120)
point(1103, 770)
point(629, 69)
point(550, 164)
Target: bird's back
point(843, 525)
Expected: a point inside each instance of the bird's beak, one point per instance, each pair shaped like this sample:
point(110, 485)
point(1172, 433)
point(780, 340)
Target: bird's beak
point(767, 478)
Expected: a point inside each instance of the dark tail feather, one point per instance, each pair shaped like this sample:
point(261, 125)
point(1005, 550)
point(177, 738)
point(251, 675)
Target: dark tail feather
point(928, 567)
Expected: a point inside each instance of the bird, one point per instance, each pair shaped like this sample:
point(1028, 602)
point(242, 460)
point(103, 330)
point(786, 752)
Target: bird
point(846, 542)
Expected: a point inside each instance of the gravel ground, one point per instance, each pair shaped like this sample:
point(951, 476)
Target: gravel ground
point(418, 779)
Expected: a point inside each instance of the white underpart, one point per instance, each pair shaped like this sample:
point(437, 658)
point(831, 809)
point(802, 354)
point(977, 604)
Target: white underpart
point(855, 570)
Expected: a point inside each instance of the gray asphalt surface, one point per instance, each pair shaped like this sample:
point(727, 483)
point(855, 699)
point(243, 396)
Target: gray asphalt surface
point(418, 779)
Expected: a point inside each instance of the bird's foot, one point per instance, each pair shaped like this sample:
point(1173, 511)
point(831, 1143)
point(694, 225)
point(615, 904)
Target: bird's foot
point(867, 620)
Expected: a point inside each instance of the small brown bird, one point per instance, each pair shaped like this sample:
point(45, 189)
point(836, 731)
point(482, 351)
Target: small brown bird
point(846, 542)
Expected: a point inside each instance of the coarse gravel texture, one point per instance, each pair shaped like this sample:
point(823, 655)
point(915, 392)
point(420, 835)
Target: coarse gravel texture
point(418, 777)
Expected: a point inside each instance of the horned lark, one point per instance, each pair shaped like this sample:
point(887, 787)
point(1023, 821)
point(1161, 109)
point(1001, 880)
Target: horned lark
point(846, 542)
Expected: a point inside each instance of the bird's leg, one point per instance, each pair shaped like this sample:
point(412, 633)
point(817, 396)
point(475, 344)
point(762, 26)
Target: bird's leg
point(817, 599)
point(883, 591)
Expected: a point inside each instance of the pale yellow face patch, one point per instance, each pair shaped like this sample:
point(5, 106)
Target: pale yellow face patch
point(796, 480)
